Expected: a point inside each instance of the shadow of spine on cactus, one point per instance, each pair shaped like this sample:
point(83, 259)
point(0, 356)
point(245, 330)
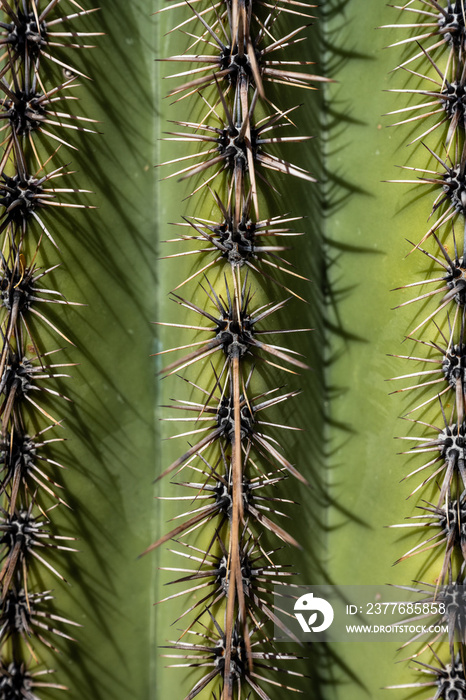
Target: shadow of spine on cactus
point(38, 82)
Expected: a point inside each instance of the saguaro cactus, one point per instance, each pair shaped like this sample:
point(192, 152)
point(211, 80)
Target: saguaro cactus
point(235, 464)
point(352, 251)
point(100, 426)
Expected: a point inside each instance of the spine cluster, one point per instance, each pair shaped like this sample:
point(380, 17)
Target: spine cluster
point(434, 75)
point(37, 86)
point(235, 72)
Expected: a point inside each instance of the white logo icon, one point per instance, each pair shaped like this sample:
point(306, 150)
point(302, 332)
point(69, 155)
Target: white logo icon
point(307, 603)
